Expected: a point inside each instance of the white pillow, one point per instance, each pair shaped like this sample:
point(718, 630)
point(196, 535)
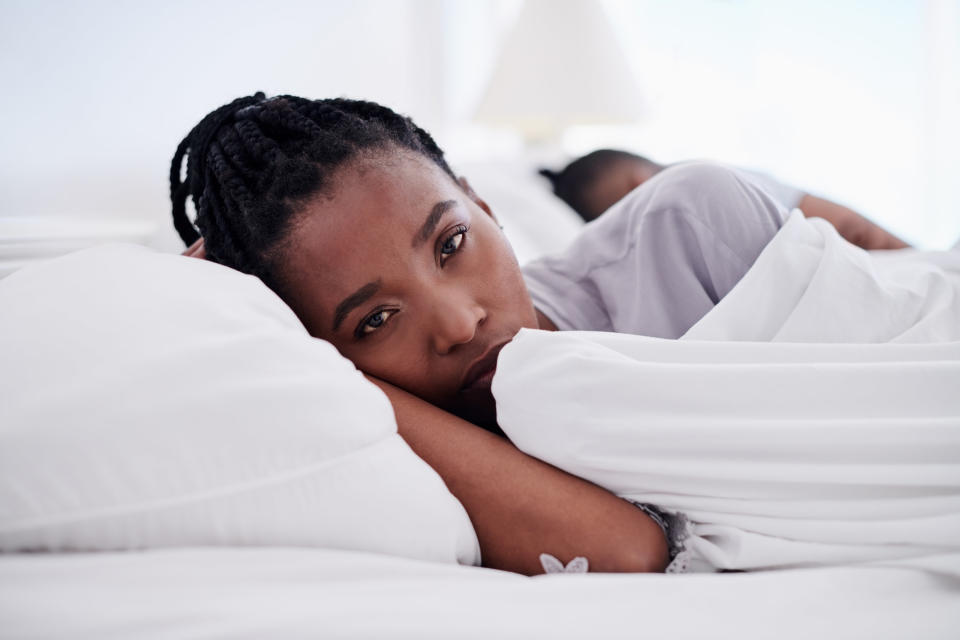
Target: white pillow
point(152, 400)
point(536, 222)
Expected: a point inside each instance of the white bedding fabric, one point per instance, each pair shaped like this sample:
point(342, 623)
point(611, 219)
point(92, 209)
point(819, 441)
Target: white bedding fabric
point(150, 400)
point(316, 593)
point(778, 454)
point(810, 285)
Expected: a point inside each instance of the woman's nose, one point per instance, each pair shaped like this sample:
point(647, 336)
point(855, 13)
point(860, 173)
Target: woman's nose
point(455, 322)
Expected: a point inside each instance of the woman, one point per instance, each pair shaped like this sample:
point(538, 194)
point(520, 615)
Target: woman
point(351, 214)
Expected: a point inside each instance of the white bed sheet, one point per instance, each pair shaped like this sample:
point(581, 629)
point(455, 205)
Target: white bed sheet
point(296, 593)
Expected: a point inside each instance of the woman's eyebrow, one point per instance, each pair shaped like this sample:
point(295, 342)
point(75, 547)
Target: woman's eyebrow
point(433, 219)
point(353, 301)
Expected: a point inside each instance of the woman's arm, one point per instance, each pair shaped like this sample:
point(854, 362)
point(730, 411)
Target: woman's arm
point(521, 507)
point(851, 225)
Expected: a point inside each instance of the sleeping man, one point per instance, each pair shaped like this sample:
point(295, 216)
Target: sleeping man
point(592, 183)
point(350, 213)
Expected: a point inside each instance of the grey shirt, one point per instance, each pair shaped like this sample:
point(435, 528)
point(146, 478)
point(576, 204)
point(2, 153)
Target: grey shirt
point(661, 258)
point(787, 195)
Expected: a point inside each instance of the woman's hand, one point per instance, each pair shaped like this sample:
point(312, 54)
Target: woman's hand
point(521, 507)
point(196, 250)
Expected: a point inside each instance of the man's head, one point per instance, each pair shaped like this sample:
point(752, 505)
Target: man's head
point(593, 183)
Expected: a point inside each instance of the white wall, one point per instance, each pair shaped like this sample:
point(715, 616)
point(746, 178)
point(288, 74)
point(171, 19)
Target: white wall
point(98, 93)
point(855, 100)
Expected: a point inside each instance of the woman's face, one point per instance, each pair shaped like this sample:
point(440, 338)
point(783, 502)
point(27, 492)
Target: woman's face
point(408, 274)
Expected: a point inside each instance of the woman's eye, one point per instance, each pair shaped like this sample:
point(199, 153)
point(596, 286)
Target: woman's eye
point(374, 322)
point(452, 244)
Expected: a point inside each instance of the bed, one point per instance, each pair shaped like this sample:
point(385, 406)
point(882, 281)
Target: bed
point(141, 495)
point(293, 593)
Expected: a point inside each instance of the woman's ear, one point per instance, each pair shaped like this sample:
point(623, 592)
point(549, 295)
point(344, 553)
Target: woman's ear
point(196, 250)
point(467, 189)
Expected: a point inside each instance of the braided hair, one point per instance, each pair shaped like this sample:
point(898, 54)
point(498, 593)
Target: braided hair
point(253, 164)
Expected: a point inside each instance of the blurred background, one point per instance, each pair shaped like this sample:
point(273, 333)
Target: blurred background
point(855, 100)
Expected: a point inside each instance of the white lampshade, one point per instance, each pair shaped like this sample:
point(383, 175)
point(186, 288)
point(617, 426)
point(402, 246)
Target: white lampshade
point(560, 65)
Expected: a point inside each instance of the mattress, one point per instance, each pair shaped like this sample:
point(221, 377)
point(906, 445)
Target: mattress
point(298, 593)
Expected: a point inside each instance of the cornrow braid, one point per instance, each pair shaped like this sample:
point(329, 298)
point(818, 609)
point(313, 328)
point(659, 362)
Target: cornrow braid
point(252, 163)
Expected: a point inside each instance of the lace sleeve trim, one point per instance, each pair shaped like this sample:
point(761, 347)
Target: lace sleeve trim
point(677, 529)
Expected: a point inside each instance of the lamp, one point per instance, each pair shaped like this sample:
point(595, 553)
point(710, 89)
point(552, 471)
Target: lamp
point(560, 65)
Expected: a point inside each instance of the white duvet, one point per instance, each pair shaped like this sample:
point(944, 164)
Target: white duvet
point(775, 445)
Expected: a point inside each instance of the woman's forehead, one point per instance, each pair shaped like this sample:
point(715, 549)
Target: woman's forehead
point(393, 191)
point(373, 219)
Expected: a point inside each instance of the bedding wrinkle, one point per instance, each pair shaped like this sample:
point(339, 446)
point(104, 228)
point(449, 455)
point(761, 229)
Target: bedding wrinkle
point(172, 502)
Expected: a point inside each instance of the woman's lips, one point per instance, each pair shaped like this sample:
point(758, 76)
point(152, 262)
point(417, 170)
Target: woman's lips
point(483, 381)
point(480, 374)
